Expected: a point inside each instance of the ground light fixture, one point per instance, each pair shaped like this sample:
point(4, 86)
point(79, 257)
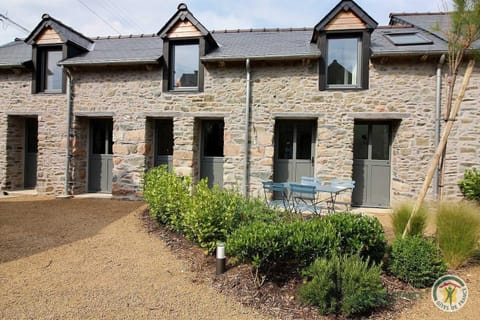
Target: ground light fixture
point(220, 258)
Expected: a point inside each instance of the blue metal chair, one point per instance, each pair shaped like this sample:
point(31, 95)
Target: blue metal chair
point(311, 181)
point(304, 198)
point(271, 190)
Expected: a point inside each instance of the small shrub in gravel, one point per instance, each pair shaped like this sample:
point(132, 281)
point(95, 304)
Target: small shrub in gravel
point(416, 261)
point(343, 285)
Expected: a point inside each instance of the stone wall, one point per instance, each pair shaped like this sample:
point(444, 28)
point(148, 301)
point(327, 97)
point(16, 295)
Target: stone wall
point(133, 98)
point(17, 100)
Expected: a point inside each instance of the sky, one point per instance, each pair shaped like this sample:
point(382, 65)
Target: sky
point(125, 17)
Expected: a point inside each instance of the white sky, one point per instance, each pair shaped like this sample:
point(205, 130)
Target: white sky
point(148, 16)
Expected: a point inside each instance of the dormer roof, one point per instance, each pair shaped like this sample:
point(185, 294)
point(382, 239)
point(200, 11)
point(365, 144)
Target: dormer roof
point(184, 24)
point(52, 31)
point(346, 15)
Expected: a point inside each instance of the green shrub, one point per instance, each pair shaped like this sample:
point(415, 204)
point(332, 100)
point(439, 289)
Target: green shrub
point(417, 261)
point(267, 244)
point(360, 234)
point(470, 185)
point(260, 243)
point(345, 284)
point(312, 239)
point(458, 232)
point(167, 195)
point(213, 214)
point(400, 217)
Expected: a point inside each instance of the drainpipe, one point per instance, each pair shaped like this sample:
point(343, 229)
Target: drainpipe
point(69, 125)
point(438, 115)
point(247, 127)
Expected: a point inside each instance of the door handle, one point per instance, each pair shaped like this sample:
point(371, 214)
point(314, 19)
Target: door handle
point(313, 161)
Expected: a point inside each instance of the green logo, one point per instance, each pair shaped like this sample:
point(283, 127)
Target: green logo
point(449, 293)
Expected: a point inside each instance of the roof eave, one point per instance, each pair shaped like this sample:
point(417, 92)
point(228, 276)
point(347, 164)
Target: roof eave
point(263, 58)
point(407, 53)
point(109, 63)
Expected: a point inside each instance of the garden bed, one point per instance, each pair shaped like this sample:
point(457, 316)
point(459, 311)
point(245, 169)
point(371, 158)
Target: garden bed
point(278, 296)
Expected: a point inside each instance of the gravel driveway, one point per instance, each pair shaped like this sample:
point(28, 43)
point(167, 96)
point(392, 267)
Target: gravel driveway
point(92, 259)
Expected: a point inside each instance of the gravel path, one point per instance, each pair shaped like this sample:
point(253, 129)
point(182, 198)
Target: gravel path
point(92, 259)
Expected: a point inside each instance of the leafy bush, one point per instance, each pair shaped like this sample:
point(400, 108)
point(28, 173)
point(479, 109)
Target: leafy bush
point(213, 214)
point(470, 185)
point(312, 239)
point(360, 234)
point(267, 244)
point(417, 261)
point(400, 217)
point(167, 195)
point(458, 232)
point(345, 284)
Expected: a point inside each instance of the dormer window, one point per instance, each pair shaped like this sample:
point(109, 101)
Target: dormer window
point(184, 65)
point(343, 37)
point(185, 40)
point(50, 75)
point(344, 62)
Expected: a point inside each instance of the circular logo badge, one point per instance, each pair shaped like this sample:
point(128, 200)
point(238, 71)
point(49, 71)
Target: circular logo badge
point(449, 293)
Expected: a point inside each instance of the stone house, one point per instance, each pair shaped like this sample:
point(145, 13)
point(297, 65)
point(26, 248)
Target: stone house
point(344, 99)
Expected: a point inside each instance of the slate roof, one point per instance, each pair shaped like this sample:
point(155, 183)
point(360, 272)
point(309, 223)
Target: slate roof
point(15, 54)
point(382, 46)
point(241, 44)
point(265, 43)
point(434, 23)
point(121, 50)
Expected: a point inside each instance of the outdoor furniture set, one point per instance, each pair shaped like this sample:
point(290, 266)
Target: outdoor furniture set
point(306, 196)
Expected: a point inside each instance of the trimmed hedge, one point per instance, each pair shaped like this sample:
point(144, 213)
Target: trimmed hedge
point(303, 241)
point(266, 244)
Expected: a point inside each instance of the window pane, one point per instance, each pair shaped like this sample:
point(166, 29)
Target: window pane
point(360, 141)
point(164, 137)
point(304, 141)
point(53, 73)
point(32, 135)
point(285, 140)
point(185, 65)
point(98, 136)
point(343, 61)
point(213, 139)
point(380, 142)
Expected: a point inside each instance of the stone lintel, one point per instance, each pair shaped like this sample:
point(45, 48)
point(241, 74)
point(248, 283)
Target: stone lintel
point(379, 115)
point(160, 114)
point(295, 115)
point(24, 114)
point(94, 114)
point(207, 115)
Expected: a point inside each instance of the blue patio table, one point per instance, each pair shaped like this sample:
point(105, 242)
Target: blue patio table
point(331, 190)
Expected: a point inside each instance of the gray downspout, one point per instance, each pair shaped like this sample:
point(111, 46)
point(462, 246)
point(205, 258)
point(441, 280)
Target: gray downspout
point(438, 115)
point(69, 125)
point(247, 128)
